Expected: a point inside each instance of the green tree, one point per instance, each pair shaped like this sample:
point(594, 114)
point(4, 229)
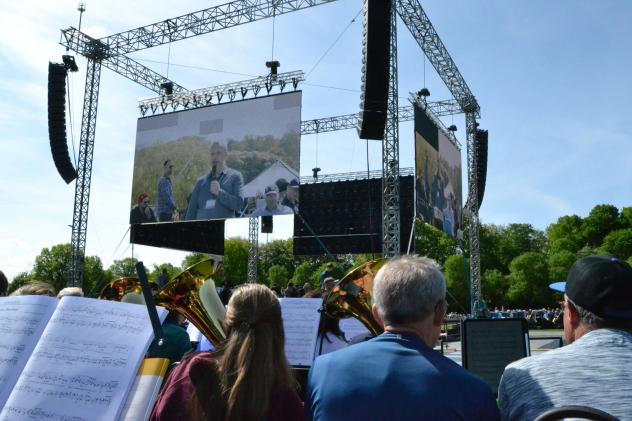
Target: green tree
point(277, 252)
point(494, 287)
point(125, 267)
point(489, 238)
point(566, 234)
point(629, 260)
point(193, 258)
point(618, 243)
point(600, 222)
point(516, 239)
point(455, 270)
point(433, 243)
point(172, 271)
point(277, 276)
point(94, 276)
point(626, 217)
point(53, 266)
point(559, 265)
point(20, 279)
point(235, 266)
point(528, 281)
point(304, 273)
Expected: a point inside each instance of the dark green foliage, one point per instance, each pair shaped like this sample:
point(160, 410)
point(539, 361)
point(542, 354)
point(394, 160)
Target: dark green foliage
point(494, 287)
point(433, 243)
point(20, 279)
point(235, 267)
point(125, 267)
point(618, 243)
point(277, 276)
point(601, 220)
point(529, 281)
point(559, 265)
point(456, 269)
point(566, 234)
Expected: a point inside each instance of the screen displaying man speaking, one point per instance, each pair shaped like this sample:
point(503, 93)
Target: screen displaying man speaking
point(221, 158)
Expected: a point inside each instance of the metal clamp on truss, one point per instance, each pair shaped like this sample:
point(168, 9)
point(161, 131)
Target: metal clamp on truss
point(207, 96)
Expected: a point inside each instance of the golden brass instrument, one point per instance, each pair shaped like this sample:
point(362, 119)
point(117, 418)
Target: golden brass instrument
point(118, 288)
point(353, 296)
point(192, 293)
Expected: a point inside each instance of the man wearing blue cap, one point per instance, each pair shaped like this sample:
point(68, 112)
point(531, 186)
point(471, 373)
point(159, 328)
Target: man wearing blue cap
point(595, 369)
point(272, 207)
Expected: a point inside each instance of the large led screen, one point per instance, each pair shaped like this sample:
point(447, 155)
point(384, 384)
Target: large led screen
point(438, 188)
point(239, 159)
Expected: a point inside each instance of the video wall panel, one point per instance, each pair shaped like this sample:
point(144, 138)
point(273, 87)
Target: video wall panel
point(438, 179)
point(238, 159)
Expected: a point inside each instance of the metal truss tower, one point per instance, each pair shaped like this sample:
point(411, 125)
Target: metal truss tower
point(253, 249)
point(84, 172)
point(390, 156)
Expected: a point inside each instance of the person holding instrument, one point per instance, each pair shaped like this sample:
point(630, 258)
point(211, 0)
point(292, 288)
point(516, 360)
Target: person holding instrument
point(218, 194)
point(247, 378)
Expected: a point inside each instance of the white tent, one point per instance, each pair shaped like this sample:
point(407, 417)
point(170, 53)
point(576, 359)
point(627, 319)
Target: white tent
point(268, 177)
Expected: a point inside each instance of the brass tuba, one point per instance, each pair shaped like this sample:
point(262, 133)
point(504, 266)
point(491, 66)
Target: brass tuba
point(353, 296)
point(118, 288)
point(192, 293)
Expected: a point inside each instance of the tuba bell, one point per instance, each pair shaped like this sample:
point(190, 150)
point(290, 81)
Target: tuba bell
point(118, 288)
point(353, 296)
point(192, 293)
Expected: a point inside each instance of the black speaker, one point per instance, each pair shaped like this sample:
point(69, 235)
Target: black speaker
point(376, 52)
point(57, 121)
point(266, 224)
point(480, 156)
point(198, 236)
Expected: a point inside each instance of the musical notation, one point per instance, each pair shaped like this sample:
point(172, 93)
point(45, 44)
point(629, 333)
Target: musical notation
point(300, 321)
point(11, 412)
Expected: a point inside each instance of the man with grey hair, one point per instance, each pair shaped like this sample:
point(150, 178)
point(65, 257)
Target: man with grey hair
point(595, 370)
point(398, 375)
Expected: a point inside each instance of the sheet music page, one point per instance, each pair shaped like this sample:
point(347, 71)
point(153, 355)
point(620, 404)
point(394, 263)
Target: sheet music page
point(300, 321)
point(22, 321)
point(194, 333)
point(84, 363)
point(353, 327)
point(144, 393)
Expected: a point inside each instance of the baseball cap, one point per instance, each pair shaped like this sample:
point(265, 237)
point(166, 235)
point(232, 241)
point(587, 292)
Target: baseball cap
point(293, 183)
point(601, 285)
point(271, 190)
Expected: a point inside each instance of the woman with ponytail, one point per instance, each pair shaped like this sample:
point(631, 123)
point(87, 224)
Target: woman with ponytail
point(247, 379)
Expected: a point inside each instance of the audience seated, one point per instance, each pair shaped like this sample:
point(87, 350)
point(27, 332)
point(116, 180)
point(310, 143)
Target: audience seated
point(247, 378)
point(596, 368)
point(398, 375)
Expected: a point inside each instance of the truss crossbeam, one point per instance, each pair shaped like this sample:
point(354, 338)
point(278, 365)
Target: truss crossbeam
point(193, 24)
point(350, 121)
point(426, 36)
point(352, 176)
point(202, 97)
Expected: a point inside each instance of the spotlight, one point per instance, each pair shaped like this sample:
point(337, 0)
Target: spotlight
point(452, 128)
point(69, 62)
point(424, 93)
point(273, 66)
point(168, 87)
point(315, 171)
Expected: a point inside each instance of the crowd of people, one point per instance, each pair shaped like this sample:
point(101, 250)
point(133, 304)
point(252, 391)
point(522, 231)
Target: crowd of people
point(398, 375)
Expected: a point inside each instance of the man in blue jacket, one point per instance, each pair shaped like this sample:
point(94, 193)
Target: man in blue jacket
point(398, 375)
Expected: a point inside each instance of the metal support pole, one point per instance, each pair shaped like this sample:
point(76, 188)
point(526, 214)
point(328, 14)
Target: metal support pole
point(84, 173)
point(390, 157)
point(472, 203)
point(253, 249)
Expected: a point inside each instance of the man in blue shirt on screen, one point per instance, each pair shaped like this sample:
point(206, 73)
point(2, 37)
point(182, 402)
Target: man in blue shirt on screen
point(219, 193)
point(398, 375)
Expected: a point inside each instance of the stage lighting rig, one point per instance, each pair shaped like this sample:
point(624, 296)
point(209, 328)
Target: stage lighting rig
point(202, 97)
point(167, 87)
point(69, 62)
point(452, 128)
point(315, 171)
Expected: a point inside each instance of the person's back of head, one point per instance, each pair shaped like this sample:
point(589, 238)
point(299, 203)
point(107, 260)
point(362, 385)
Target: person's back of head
point(70, 292)
point(35, 288)
point(251, 363)
point(4, 284)
point(408, 289)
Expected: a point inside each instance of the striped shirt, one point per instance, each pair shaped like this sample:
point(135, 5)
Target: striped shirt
point(594, 371)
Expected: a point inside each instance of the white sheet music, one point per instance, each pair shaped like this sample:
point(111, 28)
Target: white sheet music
point(84, 363)
point(300, 321)
point(22, 320)
point(145, 389)
point(353, 327)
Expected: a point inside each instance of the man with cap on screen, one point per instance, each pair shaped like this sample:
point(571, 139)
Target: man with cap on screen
point(595, 369)
point(272, 207)
point(291, 196)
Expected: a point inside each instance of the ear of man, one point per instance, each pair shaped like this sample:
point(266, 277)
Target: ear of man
point(378, 319)
point(439, 313)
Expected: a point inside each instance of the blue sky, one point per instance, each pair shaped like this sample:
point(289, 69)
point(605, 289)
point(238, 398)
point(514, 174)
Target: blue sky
point(552, 79)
